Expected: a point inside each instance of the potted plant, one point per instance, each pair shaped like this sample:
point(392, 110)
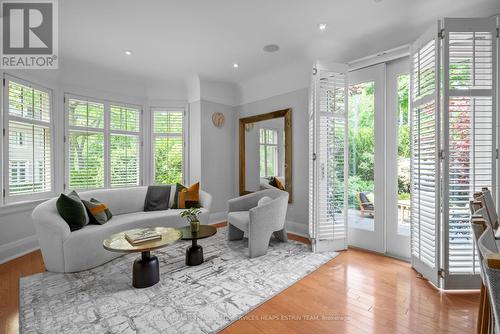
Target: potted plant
point(192, 217)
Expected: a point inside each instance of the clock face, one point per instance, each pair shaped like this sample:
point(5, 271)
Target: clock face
point(218, 119)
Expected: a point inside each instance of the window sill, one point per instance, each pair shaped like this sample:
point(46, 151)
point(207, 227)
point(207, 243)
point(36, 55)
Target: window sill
point(17, 207)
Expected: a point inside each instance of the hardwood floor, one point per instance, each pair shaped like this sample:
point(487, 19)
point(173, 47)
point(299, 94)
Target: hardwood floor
point(357, 292)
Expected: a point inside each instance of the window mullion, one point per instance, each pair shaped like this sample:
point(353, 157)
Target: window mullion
point(107, 146)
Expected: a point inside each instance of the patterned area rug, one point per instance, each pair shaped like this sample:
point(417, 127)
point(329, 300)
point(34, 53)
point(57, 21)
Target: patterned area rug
point(200, 299)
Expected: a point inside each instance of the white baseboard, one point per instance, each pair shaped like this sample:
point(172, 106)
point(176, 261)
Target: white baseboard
point(18, 248)
point(297, 228)
point(217, 217)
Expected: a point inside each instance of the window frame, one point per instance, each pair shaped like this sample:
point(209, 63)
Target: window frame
point(138, 133)
point(183, 135)
point(107, 132)
point(7, 199)
point(266, 145)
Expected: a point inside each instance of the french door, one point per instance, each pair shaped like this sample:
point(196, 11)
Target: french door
point(398, 159)
point(366, 118)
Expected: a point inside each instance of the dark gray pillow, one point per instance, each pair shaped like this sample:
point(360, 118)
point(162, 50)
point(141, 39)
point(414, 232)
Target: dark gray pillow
point(157, 198)
point(98, 212)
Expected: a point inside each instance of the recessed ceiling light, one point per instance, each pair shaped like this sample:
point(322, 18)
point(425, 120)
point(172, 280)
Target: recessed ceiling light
point(236, 65)
point(128, 52)
point(322, 26)
point(271, 48)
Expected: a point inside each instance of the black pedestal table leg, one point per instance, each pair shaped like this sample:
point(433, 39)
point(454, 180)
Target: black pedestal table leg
point(194, 254)
point(146, 271)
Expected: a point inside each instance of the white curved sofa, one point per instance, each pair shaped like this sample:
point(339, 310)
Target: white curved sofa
point(66, 251)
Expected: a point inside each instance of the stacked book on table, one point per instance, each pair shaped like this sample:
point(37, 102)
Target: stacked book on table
point(142, 236)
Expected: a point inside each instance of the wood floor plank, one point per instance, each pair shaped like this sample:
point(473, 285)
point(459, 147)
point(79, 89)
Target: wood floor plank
point(357, 292)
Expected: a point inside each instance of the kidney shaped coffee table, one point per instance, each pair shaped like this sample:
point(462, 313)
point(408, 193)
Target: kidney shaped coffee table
point(146, 270)
point(194, 253)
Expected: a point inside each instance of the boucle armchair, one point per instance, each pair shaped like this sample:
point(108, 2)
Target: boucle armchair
point(258, 219)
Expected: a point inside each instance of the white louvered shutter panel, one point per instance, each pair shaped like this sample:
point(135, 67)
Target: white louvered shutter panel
point(425, 155)
point(328, 154)
point(125, 146)
point(168, 146)
point(28, 141)
point(469, 53)
point(85, 163)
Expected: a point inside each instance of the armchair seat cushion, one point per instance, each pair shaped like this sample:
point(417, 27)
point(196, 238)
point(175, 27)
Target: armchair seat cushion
point(239, 219)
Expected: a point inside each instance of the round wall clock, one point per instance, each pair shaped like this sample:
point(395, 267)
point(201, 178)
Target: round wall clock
point(218, 119)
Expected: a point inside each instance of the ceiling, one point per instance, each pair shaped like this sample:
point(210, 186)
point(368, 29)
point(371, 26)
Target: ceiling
point(179, 39)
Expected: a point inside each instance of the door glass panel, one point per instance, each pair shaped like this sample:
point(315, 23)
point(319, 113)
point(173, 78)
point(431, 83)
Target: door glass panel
point(403, 155)
point(362, 155)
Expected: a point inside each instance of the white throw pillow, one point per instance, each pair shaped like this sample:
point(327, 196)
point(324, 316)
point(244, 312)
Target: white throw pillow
point(264, 200)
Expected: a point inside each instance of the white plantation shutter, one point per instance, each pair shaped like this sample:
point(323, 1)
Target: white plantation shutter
point(168, 146)
point(425, 155)
point(469, 54)
point(453, 142)
point(85, 144)
point(28, 143)
point(104, 144)
point(328, 154)
point(124, 146)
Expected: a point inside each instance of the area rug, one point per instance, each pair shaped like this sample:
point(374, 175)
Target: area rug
point(200, 299)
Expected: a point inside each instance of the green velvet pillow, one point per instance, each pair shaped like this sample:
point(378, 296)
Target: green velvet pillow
point(72, 210)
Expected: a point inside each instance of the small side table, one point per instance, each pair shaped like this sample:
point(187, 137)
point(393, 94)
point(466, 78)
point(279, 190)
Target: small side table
point(194, 253)
point(146, 269)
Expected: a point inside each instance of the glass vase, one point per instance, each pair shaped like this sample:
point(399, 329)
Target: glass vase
point(195, 226)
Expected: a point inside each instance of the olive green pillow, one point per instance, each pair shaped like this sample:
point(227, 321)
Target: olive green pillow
point(72, 210)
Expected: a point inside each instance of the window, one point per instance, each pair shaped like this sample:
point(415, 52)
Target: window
point(86, 144)
point(124, 147)
point(268, 152)
point(18, 139)
point(28, 146)
point(168, 146)
point(103, 144)
point(18, 172)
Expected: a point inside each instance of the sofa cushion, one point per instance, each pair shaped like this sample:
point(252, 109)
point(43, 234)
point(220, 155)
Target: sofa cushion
point(186, 198)
point(98, 212)
point(72, 210)
point(119, 200)
point(239, 219)
point(277, 183)
point(157, 197)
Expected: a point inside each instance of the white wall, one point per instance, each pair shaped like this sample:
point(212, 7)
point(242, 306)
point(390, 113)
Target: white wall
point(194, 142)
point(275, 82)
point(297, 217)
point(217, 152)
